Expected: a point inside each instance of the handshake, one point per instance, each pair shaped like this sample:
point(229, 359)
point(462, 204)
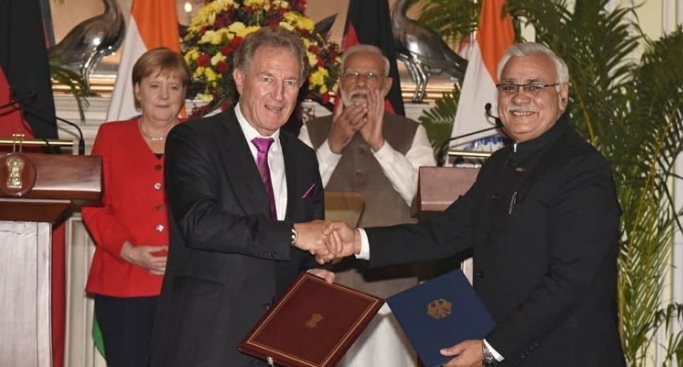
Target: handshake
point(327, 240)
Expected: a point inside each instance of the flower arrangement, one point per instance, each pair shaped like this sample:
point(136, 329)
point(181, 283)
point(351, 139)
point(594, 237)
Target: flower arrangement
point(219, 27)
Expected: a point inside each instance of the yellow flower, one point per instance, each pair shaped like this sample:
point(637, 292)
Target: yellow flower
point(191, 55)
point(204, 97)
point(198, 72)
point(318, 77)
point(281, 4)
point(236, 27)
point(287, 26)
point(254, 3)
point(210, 74)
point(207, 37)
point(217, 58)
point(312, 59)
point(248, 30)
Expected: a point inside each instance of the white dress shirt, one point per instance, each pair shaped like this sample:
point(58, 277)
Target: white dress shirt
point(276, 162)
point(402, 171)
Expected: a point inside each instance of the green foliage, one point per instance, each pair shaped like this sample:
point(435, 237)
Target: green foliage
point(438, 120)
point(452, 19)
point(630, 107)
point(79, 89)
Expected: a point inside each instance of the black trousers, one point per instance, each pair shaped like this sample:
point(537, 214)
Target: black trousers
point(126, 325)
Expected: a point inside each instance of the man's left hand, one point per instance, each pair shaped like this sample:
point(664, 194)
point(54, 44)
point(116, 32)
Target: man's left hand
point(372, 130)
point(468, 354)
point(323, 273)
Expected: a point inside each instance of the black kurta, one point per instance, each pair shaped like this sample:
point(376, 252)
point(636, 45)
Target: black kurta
point(542, 220)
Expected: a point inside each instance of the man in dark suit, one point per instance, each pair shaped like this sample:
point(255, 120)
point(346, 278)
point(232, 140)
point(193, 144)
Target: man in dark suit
point(240, 233)
point(543, 222)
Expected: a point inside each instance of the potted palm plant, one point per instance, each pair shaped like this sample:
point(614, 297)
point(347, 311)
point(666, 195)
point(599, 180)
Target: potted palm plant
point(626, 98)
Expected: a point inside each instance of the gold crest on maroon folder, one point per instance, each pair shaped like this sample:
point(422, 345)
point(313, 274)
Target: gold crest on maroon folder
point(312, 325)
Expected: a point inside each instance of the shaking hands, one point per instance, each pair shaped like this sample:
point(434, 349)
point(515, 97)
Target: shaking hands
point(328, 240)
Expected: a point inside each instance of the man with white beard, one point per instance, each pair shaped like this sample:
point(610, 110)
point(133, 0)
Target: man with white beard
point(363, 148)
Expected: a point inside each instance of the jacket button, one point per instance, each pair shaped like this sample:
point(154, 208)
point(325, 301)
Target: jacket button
point(157, 186)
point(480, 274)
point(495, 197)
point(157, 167)
point(160, 207)
point(159, 228)
point(266, 306)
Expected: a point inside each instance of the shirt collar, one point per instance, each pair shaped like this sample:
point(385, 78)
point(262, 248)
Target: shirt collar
point(250, 132)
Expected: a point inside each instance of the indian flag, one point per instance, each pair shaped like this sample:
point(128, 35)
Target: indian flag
point(153, 23)
point(494, 35)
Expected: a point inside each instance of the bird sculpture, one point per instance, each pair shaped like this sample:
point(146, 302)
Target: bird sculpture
point(422, 51)
point(83, 48)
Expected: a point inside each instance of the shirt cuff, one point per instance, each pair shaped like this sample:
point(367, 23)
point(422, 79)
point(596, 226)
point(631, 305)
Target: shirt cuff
point(496, 355)
point(364, 246)
point(385, 152)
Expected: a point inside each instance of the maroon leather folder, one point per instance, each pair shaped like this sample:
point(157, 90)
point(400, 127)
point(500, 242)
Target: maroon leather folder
point(312, 325)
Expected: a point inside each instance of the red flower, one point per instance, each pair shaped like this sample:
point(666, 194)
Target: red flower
point(314, 49)
point(203, 60)
point(226, 50)
point(222, 67)
point(235, 42)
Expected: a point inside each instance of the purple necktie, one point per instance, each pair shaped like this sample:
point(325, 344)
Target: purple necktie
point(263, 145)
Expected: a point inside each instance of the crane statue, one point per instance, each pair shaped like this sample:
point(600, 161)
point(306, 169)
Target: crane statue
point(83, 48)
point(422, 51)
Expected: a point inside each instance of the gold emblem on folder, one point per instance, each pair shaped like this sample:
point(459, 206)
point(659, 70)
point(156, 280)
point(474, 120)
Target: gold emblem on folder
point(312, 323)
point(439, 308)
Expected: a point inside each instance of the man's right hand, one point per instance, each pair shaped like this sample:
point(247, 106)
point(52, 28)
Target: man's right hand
point(345, 123)
point(343, 240)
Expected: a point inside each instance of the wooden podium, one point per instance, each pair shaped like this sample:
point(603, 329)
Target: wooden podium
point(36, 191)
point(437, 188)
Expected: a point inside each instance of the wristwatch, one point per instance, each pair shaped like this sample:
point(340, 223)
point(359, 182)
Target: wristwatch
point(295, 236)
point(489, 360)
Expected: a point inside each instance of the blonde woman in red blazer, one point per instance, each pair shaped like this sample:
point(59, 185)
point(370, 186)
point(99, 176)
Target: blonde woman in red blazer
point(130, 229)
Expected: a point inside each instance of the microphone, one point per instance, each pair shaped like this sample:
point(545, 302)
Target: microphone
point(444, 146)
point(487, 108)
point(44, 116)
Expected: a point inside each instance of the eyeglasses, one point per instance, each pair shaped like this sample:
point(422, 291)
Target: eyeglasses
point(370, 76)
point(531, 88)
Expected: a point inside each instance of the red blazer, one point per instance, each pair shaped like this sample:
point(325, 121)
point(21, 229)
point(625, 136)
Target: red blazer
point(134, 210)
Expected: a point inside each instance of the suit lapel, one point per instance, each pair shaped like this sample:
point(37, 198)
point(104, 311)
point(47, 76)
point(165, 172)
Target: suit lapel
point(290, 173)
point(241, 168)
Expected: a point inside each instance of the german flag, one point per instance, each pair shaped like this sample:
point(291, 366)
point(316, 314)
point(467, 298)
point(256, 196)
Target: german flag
point(368, 22)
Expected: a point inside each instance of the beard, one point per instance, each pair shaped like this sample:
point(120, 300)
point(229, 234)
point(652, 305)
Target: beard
point(354, 95)
point(348, 98)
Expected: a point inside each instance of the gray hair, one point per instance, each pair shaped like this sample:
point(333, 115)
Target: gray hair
point(368, 49)
point(531, 49)
point(275, 37)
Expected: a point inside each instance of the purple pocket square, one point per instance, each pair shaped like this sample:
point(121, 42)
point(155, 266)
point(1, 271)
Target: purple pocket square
point(308, 192)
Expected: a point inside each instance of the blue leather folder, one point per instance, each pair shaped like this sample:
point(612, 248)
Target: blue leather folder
point(440, 313)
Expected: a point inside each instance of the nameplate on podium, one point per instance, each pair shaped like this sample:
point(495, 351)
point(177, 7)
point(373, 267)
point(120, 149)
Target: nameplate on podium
point(312, 325)
point(440, 313)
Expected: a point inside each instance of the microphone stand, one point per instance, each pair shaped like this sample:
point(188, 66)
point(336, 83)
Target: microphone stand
point(44, 115)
